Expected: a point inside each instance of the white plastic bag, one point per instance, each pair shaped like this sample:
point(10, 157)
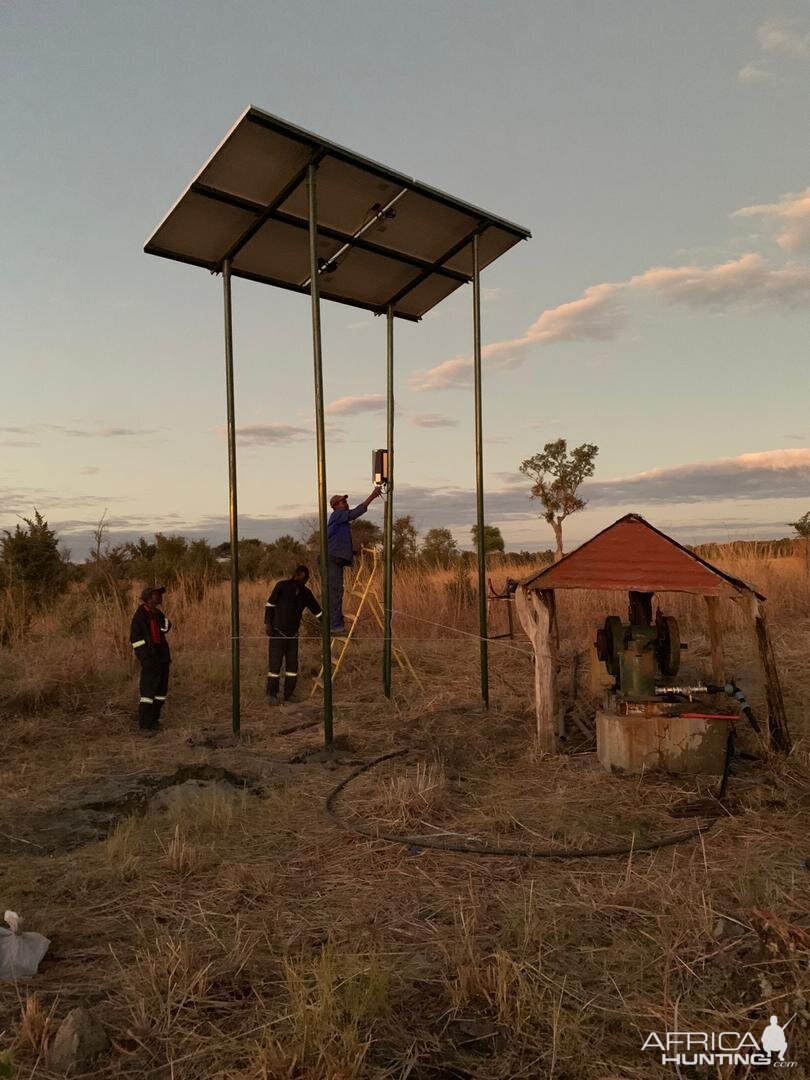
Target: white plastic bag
point(20, 953)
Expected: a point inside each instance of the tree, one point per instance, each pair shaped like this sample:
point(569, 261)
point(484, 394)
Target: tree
point(493, 541)
point(31, 563)
point(439, 547)
point(366, 533)
point(405, 538)
point(802, 526)
point(557, 476)
point(173, 558)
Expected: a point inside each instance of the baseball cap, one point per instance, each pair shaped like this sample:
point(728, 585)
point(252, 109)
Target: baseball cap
point(147, 592)
point(336, 499)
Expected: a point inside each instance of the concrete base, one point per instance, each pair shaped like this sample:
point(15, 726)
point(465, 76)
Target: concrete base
point(673, 744)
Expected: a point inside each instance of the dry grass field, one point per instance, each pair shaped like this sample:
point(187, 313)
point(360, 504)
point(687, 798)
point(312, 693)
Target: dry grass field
point(203, 904)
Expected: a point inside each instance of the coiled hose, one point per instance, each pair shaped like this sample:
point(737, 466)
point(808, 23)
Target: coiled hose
point(435, 844)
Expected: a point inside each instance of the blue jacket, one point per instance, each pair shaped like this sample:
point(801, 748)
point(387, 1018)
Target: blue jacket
point(339, 533)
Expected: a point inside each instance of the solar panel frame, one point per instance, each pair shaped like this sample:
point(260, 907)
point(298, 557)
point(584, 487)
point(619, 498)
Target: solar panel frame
point(251, 188)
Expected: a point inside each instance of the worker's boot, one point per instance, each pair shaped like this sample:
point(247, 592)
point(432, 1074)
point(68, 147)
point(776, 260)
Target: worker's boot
point(159, 703)
point(290, 683)
point(146, 708)
point(272, 689)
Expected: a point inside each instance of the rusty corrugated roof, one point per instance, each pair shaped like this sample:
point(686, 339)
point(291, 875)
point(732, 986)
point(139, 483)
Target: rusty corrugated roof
point(632, 555)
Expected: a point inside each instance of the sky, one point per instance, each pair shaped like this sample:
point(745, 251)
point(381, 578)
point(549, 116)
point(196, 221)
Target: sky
point(659, 153)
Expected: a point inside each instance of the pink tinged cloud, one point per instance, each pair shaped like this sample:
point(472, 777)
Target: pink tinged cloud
point(747, 280)
point(357, 403)
point(752, 73)
point(432, 420)
point(784, 37)
point(791, 216)
point(595, 316)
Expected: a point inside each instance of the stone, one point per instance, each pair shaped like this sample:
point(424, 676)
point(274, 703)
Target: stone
point(78, 1042)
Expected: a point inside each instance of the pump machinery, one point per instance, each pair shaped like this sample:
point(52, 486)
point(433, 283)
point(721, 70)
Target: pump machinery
point(647, 720)
point(638, 655)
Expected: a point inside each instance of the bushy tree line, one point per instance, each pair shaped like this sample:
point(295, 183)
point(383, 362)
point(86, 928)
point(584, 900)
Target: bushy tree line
point(35, 571)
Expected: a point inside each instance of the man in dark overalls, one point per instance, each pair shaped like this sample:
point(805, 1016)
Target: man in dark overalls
point(282, 620)
point(147, 635)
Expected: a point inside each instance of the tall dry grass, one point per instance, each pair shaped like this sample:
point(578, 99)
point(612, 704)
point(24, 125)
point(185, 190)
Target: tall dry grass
point(77, 654)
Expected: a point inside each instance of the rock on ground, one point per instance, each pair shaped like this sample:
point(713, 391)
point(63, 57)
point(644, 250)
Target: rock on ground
point(78, 1042)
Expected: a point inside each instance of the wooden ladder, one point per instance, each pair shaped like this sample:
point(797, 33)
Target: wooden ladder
point(365, 589)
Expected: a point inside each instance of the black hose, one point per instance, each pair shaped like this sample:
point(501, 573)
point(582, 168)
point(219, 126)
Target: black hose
point(434, 844)
point(734, 691)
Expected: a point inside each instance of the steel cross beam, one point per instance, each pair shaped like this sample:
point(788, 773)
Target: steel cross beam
point(438, 266)
point(265, 214)
point(272, 213)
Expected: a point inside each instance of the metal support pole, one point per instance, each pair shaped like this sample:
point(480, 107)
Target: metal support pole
point(320, 444)
point(232, 508)
point(388, 599)
point(479, 476)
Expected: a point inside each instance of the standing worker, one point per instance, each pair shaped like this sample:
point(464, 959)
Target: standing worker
point(341, 554)
point(282, 620)
point(147, 635)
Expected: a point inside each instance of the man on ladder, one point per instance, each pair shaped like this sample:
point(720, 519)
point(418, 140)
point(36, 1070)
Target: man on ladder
point(341, 554)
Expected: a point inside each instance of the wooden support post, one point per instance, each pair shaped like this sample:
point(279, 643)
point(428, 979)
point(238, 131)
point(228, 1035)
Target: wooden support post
point(778, 734)
point(535, 618)
point(716, 640)
point(549, 598)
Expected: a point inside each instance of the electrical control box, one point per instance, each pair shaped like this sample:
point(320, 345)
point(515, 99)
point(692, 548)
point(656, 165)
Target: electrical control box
point(379, 467)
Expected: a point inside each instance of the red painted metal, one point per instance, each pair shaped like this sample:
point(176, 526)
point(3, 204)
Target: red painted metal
point(708, 716)
point(633, 555)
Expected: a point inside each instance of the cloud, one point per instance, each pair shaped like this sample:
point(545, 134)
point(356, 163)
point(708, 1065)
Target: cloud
point(452, 374)
point(791, 215)
point(83, 433)
point(89, 470)
point(595, 316)
point(784, 37)
point(751, 73)
point(598, 315)
point(745, 280)
point(103, 433)
point(17, 503)
point(771, 474)
point(432, 420)
point(263, 434)
point(357, 403)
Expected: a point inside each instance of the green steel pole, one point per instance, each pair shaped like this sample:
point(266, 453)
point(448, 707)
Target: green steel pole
point(479, 476)
point(388, 599)
point(320, 445)
point(232, 509)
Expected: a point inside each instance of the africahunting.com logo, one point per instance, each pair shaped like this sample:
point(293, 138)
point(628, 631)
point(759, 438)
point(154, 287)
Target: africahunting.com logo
point(723, 1047)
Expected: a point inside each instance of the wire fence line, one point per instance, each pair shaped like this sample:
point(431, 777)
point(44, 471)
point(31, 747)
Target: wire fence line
point(417, 618)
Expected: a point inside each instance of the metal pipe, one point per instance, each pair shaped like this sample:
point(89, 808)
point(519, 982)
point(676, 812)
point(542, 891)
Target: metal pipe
point(479, 475)
point(233, 517)
point(388, 599)
point(320, 445)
